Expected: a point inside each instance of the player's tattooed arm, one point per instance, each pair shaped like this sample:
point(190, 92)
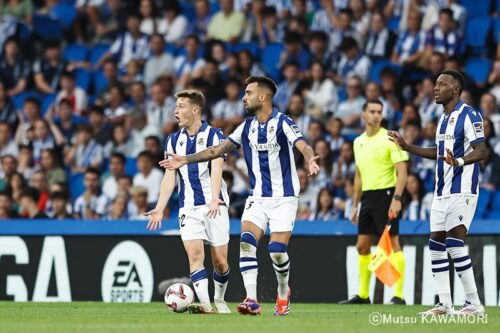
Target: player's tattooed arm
point(429, 153)
point(213, 152)
point(479, 152)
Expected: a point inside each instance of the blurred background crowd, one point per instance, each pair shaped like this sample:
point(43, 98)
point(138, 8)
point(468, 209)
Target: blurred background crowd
point(87, 86)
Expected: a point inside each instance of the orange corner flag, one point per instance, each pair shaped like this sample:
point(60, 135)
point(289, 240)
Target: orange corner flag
point(382, 262)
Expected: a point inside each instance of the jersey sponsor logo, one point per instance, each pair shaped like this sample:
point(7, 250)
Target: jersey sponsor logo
point(127, 275)
point(445, 137)
point(478, 127)
point(265, 146)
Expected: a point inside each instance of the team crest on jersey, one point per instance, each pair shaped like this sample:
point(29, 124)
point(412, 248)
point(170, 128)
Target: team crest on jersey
point(200, 141)
point(478, 127)
point(271, 130)
point(452, 121)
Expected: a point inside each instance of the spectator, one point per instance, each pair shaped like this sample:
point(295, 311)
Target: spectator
point(360, 18)
point(153, 145)
point(334, 127)
point(139, 130)
point(444, 37)
point(28, 203)
point(494, 80)
point(118, 209)
point(39, 182)
point(254, 21)
point(294, 51)
point(210, 83)
point(217, 53)
point(427, 107)
point(8, 113)
point(322, 97)
point(174, 24)
point(14, 68)
point(307, 198)
point(120, 142)
point(66, 121)
point(229, 112)
point(100, 133)
point(489, 109)
point(409, 48)
point(315, 131)
point(9, 167)
point(391, 91)
point(49, 164)
point(106, 18)
point(410, 114)
point(349, 111)
point(26, 163)
point(151, 21)
point(352, 62)
point(110, 72)
point(491, 137)
point(138, 96)
point(16, 184)
point(325, 161)
point(159, 62)
point(381, 40)
point(374, 91)
point(131, 44)
point(296, 111)
point(133, 74)
point(436, 64)
point(27, 119)
point(226, 24)
point(247, 66)
point(47, 70)
point(85, 152)
point(115, 110)
point(22, 10)
point(344, 167)
point(199, 26)
point(273, 30)
point(92, 203)
point(337, 26)
point(318, 47)
point(59, 203)
point(46, 136)
point(8, 145)
point(417, 202)
point(325, 210)
point(288, 86)
point(160, 110)
point(344, 204)
point(148, 176)
point(76, 96)
point(190, 64)
point(139, 196)
point(124, 183)
point(7, 209)
point(116, 169)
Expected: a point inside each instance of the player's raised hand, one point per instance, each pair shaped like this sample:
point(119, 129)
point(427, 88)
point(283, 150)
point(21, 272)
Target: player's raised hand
point(173, 162)
point(313, 166)
point(155, 217)
point(213, 208)
point(397, 139)
point(449, 158)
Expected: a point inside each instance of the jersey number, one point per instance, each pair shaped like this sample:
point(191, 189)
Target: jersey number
point(181, 220)
point(250, 203)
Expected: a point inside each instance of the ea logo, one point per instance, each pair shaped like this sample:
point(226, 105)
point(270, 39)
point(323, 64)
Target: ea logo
point(127, 275)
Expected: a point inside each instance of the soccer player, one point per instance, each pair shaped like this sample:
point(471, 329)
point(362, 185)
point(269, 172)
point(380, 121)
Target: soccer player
point(268, 139)
point(460, 147)
point(203, 200)
point(379, 182)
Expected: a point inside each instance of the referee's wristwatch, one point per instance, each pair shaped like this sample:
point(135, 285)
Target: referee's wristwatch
point(397, 197)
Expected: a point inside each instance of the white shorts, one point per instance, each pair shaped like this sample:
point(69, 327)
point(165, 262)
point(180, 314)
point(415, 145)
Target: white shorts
point(452, 211)
point(195, 224)
point(279, 213)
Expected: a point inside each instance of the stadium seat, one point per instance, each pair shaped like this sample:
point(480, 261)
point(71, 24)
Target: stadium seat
point(393, 24)
point(97, 52)
point(130, 166)
point(476, 32)
point(495, 203)
point(47, 28)
point(496, 30)
point(478, 69)
point(495, 215)
point(19, 99)
point(65, 14)
point(76, 185)
point(99, 81)
point(75, 52)
point(252, 47)
point(24, 31)
point(83, 78)
point(483, 201)
point(171, 48)
point(270, 56)
point(476, 8)
point(47, 101)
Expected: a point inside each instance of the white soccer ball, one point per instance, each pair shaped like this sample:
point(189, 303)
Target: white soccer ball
point(178, 297)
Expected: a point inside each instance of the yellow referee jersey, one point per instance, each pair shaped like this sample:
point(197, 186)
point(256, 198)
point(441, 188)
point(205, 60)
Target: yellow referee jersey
point(375, 158)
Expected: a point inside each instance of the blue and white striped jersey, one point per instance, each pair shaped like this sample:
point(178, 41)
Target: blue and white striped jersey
point(457, 131)
point(268, 151)
point(194, 182)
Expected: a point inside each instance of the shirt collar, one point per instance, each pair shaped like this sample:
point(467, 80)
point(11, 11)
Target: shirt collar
point(458, 105)
point(203, 127)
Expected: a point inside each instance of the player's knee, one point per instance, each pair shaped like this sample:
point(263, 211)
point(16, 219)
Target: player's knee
point(277, 251)
point(196, 258)
point(248, 242)
point(220, 264)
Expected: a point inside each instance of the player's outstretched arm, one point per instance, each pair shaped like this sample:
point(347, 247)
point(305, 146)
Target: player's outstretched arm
point(175, 161)
point(166, 189)
point(479, 152)
point(429, 153)
point(309, 156)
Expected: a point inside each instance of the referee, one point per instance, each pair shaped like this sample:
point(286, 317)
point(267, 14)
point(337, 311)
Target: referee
point(379, 180)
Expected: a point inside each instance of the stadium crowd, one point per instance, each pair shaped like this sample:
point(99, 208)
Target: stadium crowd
point(87, 93)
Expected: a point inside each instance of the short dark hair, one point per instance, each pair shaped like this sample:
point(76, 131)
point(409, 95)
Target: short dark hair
point(97, 109)
point(30, 192)
point(92, 171)
point(292, 37)
point(194, 96)
point(119, 156)
point(446, 11)
point(317, 34)
point(146, 154)
point(60, 195)
point(348, 43)
point(263, 81)
point(87, 128)
point(68, 74)
point(372, 101)
point(154, 138)
point(458, 78)
point(135, 15)
point(33, 100)
point(414, 123)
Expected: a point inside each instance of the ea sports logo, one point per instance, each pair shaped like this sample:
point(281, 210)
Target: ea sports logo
point(127, 275)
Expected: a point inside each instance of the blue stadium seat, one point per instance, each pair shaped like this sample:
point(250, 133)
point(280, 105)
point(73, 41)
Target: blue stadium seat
point(251, 46)
point(47, 28)
point(496, 30)
point(188, 10)
point(476, 8)
point(75, 52)
point(495, 215)
point(24, 31)
point(476, 31)
point(483, 201)
point(99, 80)
point(130, 166)
point(76, 185)
point(97, 52)
point(270, 57)
point(495, 203)
point(393, 23)
point(478, 69)
point(83, 77)
point(65, 14)
point(47, 101)
point(19, 99)
point(171, 48)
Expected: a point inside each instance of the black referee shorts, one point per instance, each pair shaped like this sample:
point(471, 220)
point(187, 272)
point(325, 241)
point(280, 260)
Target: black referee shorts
point(373, 215)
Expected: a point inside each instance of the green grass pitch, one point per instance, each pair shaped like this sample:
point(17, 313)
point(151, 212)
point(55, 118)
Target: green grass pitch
point(155, 317)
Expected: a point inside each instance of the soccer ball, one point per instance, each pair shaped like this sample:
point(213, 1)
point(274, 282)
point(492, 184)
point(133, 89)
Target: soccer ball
point(178, 297)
